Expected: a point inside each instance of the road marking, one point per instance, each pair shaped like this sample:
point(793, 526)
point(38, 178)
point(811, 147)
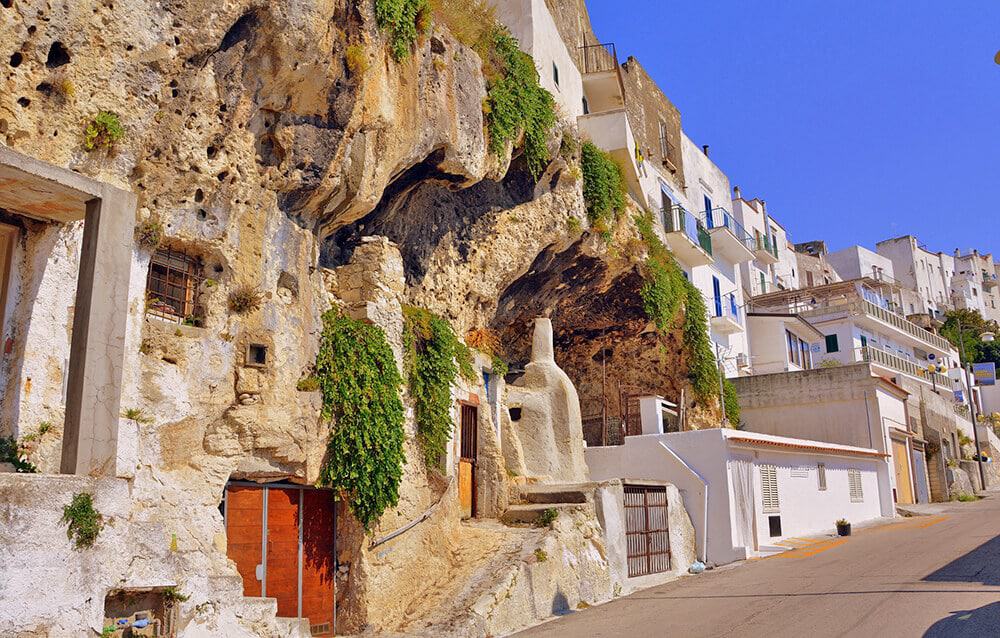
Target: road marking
point(813, 549)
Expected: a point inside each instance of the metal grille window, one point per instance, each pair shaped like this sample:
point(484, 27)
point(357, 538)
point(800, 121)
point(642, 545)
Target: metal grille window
point(854, 484)
point(172, 286)
point(769, 488)
point(821, 475)
point(647, 531)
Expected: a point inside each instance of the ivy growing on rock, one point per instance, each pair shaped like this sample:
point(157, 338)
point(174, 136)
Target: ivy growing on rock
point(516, 103)
point(403, 21)
point(434, 357)
point(357, 374)
point(603, 187)
point(671, 301)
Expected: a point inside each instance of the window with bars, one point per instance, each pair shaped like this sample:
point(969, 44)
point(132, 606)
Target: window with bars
point(172, 287)
point(854, 485)
point(769, 488)
point(821, 476)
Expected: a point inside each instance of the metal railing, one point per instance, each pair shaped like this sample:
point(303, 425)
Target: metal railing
point(726, 307)
point(721, 218)
point(889, 360)
point(679, 219)
point(906, 325)
point(599, 58)
point(764, 243)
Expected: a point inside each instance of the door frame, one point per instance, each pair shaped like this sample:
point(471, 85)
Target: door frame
point(265, 487)
point(474, 444)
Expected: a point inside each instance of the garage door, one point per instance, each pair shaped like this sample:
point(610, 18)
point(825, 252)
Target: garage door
point(282, 539)
point(647, 532)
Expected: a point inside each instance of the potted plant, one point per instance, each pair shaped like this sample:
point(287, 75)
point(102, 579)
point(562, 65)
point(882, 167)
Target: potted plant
point(843, 527)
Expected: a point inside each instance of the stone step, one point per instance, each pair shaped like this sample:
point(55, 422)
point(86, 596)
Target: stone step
point(294, 627)
point(556, 494)
point(531, 512)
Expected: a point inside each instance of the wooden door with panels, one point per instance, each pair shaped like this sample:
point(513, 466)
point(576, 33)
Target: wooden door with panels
point(901, 463)
point(283, 541)
point(468, 456)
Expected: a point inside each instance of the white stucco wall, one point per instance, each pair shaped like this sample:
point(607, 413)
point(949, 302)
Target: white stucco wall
point(531, 23)
point(804, 508)
point(855, 262)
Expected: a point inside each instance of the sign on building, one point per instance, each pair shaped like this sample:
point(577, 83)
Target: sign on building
point(985, 373)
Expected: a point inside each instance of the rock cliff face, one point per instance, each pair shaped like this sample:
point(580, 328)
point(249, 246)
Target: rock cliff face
point(267, 158)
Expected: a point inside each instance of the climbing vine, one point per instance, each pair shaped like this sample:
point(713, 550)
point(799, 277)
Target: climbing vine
point(434, 356)
point(356, 372)
point(732, 403)
point(516, 103)
point(603, 186)
point(667, 295)
point(403, 20)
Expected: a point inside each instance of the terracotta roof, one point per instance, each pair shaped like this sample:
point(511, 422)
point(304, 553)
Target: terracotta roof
point(811, 446)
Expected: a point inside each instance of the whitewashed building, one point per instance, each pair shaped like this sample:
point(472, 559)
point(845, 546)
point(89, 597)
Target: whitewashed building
point(747, 492)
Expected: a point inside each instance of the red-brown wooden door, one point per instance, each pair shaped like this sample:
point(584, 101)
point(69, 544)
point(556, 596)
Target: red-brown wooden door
point(300, 548)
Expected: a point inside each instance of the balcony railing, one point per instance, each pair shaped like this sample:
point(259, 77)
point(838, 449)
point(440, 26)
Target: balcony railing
point(720, 217)
point(889, 360)
point(764, 243)
point(726, 307)
point(678, 219)
point(906, 326)
point(599, 58)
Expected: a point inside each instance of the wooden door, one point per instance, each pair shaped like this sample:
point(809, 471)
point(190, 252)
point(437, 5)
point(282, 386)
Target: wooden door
point(467, 460)
point(901, 461)
point(245, 535)
point(282, 575)
point(282, 539)
point(319, 564)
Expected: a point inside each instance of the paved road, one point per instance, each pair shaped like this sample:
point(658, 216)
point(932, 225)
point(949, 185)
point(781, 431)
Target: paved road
point(932, 576)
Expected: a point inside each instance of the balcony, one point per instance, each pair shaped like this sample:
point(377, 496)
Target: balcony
point(729, 238)
point(602, 82)
point(765, 250)
point(726, 318)
point(688, 238)
point(989, 282)
point(898, 364)
point(907, 326)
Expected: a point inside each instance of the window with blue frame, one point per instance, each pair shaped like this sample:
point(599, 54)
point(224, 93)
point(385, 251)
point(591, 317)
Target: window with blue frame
point(717, 292)
point(708, 212)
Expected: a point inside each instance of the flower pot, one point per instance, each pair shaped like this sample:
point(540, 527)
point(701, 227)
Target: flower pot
point(844, 530)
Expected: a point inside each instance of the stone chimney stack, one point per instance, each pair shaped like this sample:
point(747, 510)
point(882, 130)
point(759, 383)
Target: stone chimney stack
point(736, 193)
point(704, 149)
point(541, 344)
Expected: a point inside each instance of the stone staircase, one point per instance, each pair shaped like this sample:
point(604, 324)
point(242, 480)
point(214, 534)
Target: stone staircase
point(534, 499)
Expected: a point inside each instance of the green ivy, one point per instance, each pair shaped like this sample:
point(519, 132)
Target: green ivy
point(83, 522)
point(516, 103)
point(670, 300)
point(404, 20)
point(104, 131)
point(732, 402)
point(360, 382)
point(603, 186)
point(434, 357)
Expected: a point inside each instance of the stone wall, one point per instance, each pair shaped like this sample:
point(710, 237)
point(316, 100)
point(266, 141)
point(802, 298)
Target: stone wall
point(647, 107)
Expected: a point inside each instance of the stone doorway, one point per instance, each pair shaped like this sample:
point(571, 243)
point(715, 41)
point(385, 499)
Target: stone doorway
point(468, 459)
point(283, 540)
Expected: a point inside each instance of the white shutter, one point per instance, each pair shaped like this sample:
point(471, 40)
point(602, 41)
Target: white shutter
point(769, 488)
point(854, 482)
point(821, 475)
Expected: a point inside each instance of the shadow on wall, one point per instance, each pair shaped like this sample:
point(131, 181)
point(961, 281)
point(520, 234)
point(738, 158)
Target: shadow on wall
point(981, 565)
point(975, 622)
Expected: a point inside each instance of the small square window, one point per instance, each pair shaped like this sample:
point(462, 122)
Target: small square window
point(832, 345)
point(256, 355)
point(172, 287)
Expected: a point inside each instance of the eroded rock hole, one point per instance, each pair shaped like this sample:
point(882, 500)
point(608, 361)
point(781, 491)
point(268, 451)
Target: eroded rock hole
point(24, 102)
point(16, 59)
point(199, 196)
point(58, 55)
point(241, 30)
point(6, 4)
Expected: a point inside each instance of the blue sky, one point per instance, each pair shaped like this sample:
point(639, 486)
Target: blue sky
point(855, 120)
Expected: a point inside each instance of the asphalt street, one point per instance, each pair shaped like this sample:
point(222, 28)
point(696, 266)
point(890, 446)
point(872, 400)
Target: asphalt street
point(932, 576)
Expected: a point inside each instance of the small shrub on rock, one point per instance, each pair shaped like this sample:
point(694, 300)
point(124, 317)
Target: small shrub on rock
point(103, 131)
point(244, 299)
point(83, 522)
